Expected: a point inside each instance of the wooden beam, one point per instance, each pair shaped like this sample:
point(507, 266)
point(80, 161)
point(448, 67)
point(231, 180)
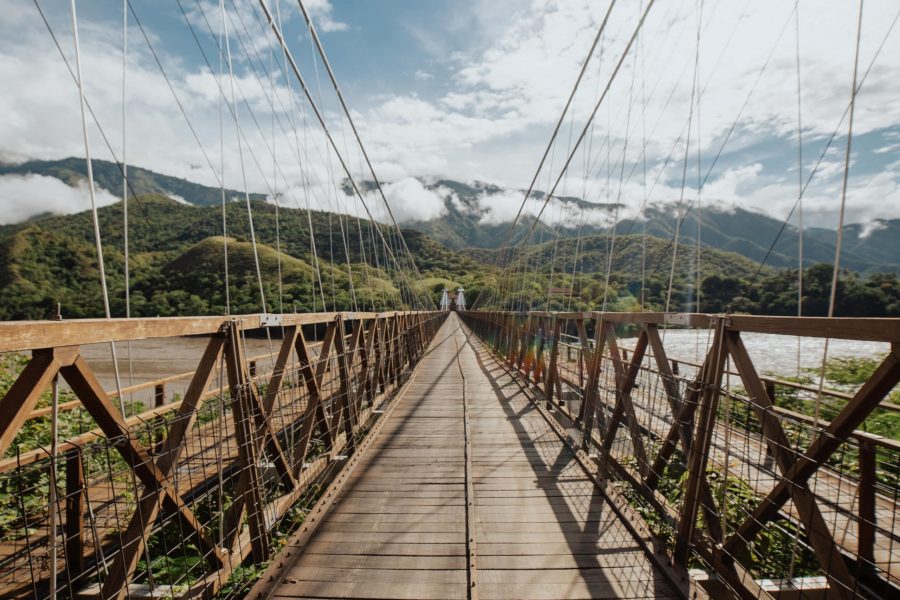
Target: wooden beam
point(85, 385)
point(134, 539)
point(21, 398)
point(248, 498)
point(699, 454)
point(864, 402)
point(552, 379)
point(820, 537)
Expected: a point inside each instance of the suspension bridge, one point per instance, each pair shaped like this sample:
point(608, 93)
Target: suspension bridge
point(506, 441)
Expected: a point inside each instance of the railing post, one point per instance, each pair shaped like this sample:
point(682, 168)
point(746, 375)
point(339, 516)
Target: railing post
point(589, 391)
point(246, 431)
point(710, 383)
point(552, 371)
point(74, 528)
point(866, 498)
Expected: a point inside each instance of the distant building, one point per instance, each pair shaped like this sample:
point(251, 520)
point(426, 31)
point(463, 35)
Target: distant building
point(460, 299)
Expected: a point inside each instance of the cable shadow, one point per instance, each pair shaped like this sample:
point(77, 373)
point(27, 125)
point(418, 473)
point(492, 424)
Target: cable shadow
point(596, 562)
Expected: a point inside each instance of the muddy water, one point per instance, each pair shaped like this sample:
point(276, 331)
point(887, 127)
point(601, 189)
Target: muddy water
point(148, 360)
point(772, 354)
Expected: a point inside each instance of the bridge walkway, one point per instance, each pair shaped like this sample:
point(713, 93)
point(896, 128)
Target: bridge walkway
point(434, 507)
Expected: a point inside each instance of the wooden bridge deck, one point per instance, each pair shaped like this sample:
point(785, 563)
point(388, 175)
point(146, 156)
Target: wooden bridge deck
point(435, 507)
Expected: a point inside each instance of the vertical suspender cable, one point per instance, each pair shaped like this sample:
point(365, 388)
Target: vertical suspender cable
point(53, 495)
point(591, 117)
point(840, 229)
point(125, 184)
point(799, 183)
point(697, 286)
point(315, 37)
point(644, 160)
point(559, 123)
point(276, 30)
point(680, 213)
point(262, 293)
point(222, 155)
point(96, 220)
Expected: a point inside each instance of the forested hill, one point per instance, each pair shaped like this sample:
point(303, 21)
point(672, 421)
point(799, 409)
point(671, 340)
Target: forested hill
point(177, 268)
point(177, 261)
point(466, 220)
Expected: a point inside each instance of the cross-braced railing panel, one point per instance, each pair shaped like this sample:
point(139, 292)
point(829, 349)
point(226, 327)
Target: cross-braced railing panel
point(755, 479)
point(188, 498)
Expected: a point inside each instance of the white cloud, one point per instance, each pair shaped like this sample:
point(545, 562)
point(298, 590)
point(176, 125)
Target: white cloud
point(871, 227)
point(23, 197)
point(410, 201)
point(321, 13)
point(494, 109)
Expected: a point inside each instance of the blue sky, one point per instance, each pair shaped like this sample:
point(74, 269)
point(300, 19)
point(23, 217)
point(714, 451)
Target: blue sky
point(471, 90)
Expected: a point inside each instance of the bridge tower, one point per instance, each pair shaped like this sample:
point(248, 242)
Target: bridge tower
point(460, 299)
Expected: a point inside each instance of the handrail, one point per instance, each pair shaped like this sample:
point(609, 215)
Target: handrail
point(658, 433)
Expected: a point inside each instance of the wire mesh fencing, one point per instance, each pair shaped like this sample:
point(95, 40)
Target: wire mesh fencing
point(760, 485)
point(190, 498)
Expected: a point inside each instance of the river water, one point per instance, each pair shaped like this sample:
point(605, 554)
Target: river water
point(158, 358)
point(149, 360)
point(775, 355)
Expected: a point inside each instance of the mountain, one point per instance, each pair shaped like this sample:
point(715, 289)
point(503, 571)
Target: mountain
point(108, 175)
point(177, 261)
point(468, 220)
point(866, 248)
point(871, 248)
point(468, 223)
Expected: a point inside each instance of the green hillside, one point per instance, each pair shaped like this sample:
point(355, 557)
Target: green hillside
point(178, 267)
point(868, 248)
point(177, 258)
point(108, 175)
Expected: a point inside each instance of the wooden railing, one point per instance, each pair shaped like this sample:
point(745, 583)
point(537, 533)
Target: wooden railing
point(730, 482)
point(183, 499)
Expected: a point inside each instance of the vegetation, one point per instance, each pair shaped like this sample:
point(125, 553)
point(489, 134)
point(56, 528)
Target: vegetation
point(729, 282)
point(177, 258)
point(177, 262)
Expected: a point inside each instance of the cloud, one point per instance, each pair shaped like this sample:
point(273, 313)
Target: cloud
point(491, 106)
point(871, 227)
point(411, 201)
point(321, 12)
point(23, 197)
